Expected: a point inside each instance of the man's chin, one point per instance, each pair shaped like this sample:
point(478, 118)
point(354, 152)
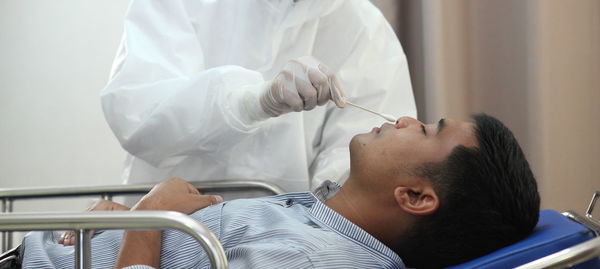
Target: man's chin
point(358, 142)
point(358, 151)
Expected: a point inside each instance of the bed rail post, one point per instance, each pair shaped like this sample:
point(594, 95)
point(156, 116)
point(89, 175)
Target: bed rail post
point(590, 208)
point(7, 207)
point(83, 259)
point(4, 234)
point(106, 196)
point(4, 241)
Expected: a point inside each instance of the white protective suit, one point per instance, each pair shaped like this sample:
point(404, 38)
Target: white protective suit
point(173, 99)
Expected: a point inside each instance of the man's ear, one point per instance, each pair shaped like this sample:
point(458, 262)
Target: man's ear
point(418, 200)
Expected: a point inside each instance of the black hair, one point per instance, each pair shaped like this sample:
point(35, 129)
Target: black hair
point(488, 200)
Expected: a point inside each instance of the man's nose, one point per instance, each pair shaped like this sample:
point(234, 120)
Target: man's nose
point(404, 122)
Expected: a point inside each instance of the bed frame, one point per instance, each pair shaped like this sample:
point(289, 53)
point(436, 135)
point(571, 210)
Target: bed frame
point(83, 223)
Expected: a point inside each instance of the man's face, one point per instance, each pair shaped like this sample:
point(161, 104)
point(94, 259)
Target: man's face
point(392, 149)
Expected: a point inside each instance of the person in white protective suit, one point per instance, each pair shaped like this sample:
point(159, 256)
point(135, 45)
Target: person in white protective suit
point(206, 90)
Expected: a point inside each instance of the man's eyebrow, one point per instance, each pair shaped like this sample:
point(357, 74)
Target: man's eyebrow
point(441, 125)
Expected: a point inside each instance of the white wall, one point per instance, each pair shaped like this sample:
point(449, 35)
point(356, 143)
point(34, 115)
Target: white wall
point(55, 56)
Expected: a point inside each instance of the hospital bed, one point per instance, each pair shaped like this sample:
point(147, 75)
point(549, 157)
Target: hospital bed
point(558, 241)
point(84, 223)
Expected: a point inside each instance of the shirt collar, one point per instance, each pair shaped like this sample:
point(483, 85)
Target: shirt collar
point(346, 228)
point(326, 190)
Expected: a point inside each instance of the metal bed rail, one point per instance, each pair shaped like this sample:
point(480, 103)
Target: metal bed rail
point(590, 208)
point(576, 254)
point(107, 191)
point(84, 223)
point(567, 257)
point(586, 221)
point(139, 220)
point(8, 196)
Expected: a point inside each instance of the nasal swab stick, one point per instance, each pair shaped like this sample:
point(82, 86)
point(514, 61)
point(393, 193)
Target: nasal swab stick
point(385, 116)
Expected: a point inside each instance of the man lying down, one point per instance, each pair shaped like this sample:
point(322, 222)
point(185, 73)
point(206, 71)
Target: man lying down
point(423, 196)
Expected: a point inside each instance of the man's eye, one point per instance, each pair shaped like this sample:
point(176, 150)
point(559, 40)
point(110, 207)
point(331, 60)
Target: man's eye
point(423, 128)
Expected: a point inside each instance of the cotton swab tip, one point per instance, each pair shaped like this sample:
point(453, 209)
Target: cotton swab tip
point(389, 118)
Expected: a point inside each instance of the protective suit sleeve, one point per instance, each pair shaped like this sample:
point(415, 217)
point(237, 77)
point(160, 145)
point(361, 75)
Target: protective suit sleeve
point(160, 101)
point(375, 75)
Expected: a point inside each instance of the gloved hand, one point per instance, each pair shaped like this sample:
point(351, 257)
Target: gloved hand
point(302, 84)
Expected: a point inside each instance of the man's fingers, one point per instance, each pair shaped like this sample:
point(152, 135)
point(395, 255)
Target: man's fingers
point(203, 201)
point(214, 199)
point(191, 188)
point(96, 205)
point(67, 238)
point(106, 205)
point(119, 207)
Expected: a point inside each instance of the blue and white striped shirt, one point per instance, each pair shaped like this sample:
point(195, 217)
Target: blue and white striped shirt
point(295, 230)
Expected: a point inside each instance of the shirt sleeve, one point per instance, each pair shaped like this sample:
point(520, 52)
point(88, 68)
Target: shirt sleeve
point(161, 102)
point(180, 250)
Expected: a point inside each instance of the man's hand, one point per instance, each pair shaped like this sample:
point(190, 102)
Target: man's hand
point(176, 195)
point(143, 247)
point(302, 84)
point(68, 238)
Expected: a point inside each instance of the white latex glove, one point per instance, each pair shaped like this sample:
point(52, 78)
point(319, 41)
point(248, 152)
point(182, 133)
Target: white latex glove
point(303, 84)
